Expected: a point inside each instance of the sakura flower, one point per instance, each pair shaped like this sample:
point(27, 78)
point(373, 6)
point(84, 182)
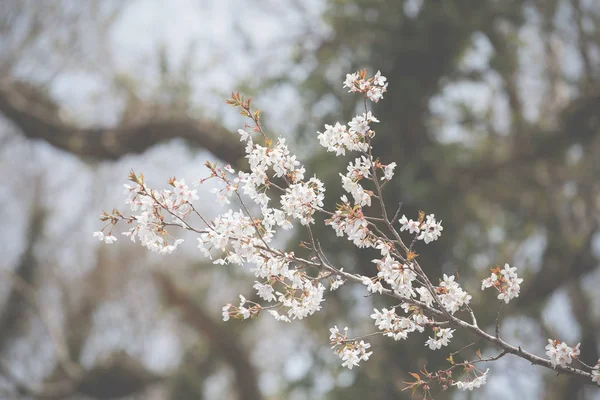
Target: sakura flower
point(372, 287)
point(243, 135)
point(431, 229)
point(264, 291)
point(388, 172)
point(336, 283)
point(378, 79)
point(350, 82)
point(441, 338)
point(409, 225)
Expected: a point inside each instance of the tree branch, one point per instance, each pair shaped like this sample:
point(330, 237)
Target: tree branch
point(37, 116)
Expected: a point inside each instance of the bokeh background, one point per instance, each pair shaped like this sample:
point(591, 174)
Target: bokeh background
point(492, 114)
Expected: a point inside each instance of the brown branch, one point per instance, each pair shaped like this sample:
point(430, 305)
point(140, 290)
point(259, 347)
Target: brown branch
point(228, 345)
point(37, 116)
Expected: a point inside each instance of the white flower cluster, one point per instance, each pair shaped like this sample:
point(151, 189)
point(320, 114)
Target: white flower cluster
point(388, 171)
point(505, 281)
point(277, 157)
point(428, 231)
point(234, 235)
point(399, 276)
point(301, 199)
point(441, 338)
point(475, 383)
point(239, 241)
point(373, 88)
point(452, 296)
point(339, 138)
point(560, 353)
point(396, 326)
point(350, 351)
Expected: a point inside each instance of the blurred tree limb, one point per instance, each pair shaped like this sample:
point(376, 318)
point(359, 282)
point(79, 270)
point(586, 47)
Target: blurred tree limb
point(37, 117)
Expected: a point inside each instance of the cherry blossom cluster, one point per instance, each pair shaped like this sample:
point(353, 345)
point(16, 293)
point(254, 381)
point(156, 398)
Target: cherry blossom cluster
point(505, 281)
point(352, 352)
point(452, 296)
point(561, 353)
point(350, 221)
point(338, 138)
point(441, 338)
point(398, 327)
point(373, 88)
point(149, 209)
point(427, 231)
point(273, 194)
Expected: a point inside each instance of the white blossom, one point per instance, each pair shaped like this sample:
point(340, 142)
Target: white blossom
point(442, 338)
point(409, 225)
point(226, 312)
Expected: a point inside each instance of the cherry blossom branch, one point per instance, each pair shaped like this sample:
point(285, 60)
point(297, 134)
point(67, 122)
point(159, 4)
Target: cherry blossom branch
point(242, 238)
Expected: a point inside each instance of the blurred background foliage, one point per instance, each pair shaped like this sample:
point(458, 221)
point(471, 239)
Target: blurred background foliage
point(492, 114)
